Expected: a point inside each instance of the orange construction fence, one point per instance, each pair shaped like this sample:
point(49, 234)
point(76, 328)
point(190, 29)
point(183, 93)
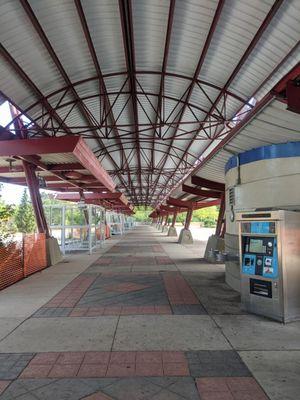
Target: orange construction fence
point(22, 258)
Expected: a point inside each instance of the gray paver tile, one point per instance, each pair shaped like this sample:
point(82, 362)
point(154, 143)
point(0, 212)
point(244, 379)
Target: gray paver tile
point(169, 332)
point(277, 372)
point(51, 389)
point(188, 309)
point(11, 365)
point(216, 364)
point(47, 312)
point(61, 334)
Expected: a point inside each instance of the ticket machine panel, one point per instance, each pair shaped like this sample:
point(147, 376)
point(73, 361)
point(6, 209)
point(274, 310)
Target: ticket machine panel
point(270, 259)
point(259, 256)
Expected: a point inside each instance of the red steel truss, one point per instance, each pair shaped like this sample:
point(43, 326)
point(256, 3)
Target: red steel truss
point(136, 151)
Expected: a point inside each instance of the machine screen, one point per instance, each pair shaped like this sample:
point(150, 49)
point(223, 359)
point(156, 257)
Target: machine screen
point(257, 246)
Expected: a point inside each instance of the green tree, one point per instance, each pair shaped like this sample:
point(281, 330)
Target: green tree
point(142, 213)
point(181, 217)
point(24, 216)
point(7, 227)
point(206, 216)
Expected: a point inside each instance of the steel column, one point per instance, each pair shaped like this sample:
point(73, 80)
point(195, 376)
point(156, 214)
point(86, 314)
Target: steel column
point(174, 219)
point(219, 228)
point(188, 218)
point(166, 220)
point(33, 186)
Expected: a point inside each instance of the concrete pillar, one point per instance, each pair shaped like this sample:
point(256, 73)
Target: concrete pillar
point(172, 230)
point(185, 236)
point(216, 241)
point(52, 248)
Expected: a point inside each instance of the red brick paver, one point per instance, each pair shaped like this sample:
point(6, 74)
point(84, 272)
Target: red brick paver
point(107, 364)
point(72, 293)
point(36, 371)
point(179, 292)
point(163, 260)
point(235, 388)
point(64, 371)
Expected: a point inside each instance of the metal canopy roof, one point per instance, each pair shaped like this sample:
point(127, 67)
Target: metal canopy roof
point(148, 83)
point(274, 124)
point(64, 164)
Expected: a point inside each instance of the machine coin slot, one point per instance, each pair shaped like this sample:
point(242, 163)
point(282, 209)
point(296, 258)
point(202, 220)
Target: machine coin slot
point(259, 265)
point(260, 288)
point(248, 261)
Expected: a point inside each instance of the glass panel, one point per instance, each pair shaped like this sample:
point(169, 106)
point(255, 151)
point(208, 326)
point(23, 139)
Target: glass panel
point(56, 216)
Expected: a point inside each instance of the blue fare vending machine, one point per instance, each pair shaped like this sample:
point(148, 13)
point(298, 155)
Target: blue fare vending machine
point(269, 244)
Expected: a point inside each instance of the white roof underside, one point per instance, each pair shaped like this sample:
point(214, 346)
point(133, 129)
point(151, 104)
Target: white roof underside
point(237, 26)
point(274, 124)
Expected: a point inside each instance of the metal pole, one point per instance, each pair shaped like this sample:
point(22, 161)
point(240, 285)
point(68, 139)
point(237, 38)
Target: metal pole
point(174, 219)
point(89, 230)
point(33, 186)
point(63, 231)
point(219, 228)
point(188, 218)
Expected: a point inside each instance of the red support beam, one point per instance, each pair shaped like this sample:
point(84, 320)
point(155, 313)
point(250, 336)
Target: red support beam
point(160, 101)
point(295, 71)
point(51, 167)
point(205, 183)
point(188, 219)
point(196, 73)
point(192, 204)
point(102, 88)
point(179, 203)
point(198, 205)
point(277, 4)
point(88, 196)
point(125, 8)
point(89, 180)
point(166, 219)
point(25, 148)
point(170, 210)
point(201, 193)
point(174, 218)
point(33, 186)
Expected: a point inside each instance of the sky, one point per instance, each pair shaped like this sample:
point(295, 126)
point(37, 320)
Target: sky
point(9, 193)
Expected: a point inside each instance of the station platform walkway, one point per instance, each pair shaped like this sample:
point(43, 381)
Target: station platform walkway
point(143, 318)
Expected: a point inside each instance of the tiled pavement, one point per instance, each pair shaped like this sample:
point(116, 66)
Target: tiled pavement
point(133, 279)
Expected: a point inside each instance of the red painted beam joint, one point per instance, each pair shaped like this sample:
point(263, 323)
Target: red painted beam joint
point(208, 184)
point(203, 193)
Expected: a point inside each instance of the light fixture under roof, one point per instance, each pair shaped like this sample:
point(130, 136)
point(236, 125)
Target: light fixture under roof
point(11, 162)
point(42, 182)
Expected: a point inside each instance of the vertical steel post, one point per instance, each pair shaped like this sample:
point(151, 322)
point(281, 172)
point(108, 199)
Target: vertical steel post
point(220, 228)
point(33, 186)
point(166, 220)
point(63, 230)
point(89, 229)
point(188, 218)
point(174, 218)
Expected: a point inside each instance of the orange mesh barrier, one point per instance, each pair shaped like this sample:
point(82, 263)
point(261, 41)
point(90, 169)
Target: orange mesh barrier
point(107, 232)
point(35, 258)
point(11, 264)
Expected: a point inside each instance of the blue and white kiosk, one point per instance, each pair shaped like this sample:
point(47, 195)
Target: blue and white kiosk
point(263, 229)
